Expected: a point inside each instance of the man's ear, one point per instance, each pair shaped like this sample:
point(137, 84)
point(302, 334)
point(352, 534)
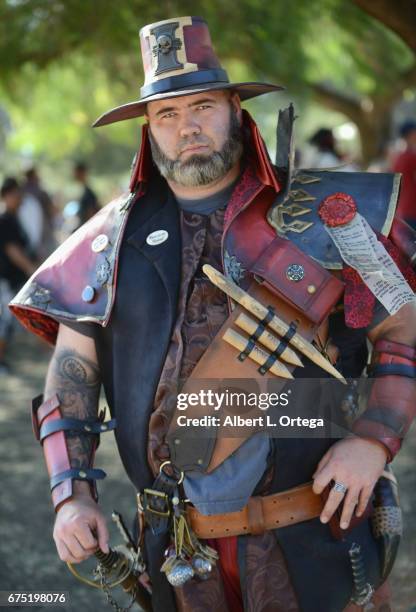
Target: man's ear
point(236, 102)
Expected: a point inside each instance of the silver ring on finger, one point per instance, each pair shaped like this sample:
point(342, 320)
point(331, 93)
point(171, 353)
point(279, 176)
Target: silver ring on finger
point(339, 487)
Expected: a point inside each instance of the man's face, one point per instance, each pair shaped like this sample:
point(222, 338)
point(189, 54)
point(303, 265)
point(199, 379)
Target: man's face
point(196, 139)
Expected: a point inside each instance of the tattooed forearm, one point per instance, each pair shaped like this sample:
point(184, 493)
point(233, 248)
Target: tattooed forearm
point(76, 380)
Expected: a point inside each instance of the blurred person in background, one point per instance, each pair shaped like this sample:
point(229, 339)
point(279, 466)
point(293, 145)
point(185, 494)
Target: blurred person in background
point(325, 153)
point(31, 218)
point(32, 186)
point(405, 163)
point(15, 263)
point(88, 202)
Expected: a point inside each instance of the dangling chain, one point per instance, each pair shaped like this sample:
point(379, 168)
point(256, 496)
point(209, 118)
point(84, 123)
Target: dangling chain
point(186, 557)
point(101, 572)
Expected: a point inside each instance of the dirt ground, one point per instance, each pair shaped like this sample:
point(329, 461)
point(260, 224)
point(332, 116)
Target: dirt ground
point(28, 556)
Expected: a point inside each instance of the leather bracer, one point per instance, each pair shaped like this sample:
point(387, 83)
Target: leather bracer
point(392, 402)
point(51, 429)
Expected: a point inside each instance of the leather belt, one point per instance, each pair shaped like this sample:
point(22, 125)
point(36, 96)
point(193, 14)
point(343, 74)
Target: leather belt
point(260, 514)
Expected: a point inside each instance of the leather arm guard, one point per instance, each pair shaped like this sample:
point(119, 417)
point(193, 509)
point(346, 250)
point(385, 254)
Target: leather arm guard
point(392, 401)
point(50, 429)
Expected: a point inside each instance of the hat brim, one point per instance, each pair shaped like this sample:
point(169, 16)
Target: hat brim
point(137, 108)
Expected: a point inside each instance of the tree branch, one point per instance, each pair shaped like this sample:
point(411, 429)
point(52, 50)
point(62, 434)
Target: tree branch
point(399, 16)
point(331, 97)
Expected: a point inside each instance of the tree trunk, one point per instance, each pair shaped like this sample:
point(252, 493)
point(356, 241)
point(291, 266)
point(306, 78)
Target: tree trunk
point(398, 15)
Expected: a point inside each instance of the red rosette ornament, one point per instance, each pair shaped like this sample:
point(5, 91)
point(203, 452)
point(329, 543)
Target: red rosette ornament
point(337, 209)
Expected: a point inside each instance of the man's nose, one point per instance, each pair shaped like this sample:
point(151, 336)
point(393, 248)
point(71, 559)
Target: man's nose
point(188, 126)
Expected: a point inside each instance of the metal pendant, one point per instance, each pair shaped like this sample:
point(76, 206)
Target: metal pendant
point(201, 566)
point(177, 570)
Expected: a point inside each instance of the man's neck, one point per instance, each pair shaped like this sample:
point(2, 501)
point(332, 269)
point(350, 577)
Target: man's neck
point(204, 191)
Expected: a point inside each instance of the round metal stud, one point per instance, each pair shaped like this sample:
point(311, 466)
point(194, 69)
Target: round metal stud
point(88, 293)
point(295, 272)
point(177, 441)
point(311, 289)
point(200, 461)
point(100, 243)
point(175, 501)
point(82, 474)
point(87, 428)
point(103, 427)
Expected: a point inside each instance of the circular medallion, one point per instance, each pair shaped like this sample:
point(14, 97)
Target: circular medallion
point(99, 243)
point(157, 237)
point(337, 209)
point(295, 272)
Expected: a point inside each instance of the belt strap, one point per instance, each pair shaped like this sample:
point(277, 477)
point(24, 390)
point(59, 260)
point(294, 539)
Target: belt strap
point(260, 514)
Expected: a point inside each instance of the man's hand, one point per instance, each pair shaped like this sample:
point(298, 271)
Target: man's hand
point(80, 528)
point(356, 463)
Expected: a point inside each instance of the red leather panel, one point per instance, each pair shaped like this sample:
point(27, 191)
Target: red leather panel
point(46, 408)
point(315, 294)
point(395, 348)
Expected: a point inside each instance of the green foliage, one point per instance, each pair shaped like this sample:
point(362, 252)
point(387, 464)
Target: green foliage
point(64, 62)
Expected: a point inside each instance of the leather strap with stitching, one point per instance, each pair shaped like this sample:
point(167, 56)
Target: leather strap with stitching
point(260, 514)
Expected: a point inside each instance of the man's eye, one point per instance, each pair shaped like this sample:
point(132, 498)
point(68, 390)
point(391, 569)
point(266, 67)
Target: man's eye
point(203, 107)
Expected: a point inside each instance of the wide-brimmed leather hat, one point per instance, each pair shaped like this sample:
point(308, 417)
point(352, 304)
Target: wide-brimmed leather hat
point(179, 60)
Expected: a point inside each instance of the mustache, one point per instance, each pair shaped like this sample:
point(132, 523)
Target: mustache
point(184, 143)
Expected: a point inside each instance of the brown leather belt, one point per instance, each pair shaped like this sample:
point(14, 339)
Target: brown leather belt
point(260, 514)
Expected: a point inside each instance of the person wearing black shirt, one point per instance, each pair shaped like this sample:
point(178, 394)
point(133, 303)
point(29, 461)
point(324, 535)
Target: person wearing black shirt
point(15, 265)
point(88, 203)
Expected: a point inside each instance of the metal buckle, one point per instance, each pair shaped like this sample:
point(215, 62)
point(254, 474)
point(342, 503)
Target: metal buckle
point(181, 473)
point(146, 502)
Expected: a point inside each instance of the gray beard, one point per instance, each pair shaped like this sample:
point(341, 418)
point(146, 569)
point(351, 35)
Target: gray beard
point(200, 170)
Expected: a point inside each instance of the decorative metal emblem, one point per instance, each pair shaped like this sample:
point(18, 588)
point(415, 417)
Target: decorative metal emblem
point(295, 272)
point(276, 218)
point(103, 271)
point(300, 195)
point(40, 296)
point(233, 268)
point(166, 47)
point(305, 179)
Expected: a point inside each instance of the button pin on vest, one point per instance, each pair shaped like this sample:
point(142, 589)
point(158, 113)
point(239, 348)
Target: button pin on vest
point(88, 293)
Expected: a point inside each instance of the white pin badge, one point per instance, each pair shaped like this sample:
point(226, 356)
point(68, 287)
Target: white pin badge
point(99, 243)
point(157, 237)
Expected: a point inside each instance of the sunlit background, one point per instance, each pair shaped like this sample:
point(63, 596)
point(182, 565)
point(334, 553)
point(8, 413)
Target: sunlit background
point(63, 63)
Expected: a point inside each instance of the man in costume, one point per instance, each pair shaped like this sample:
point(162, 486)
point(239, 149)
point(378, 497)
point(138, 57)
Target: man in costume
point(128, 306)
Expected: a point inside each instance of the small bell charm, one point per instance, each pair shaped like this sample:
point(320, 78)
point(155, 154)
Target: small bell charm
point(179, 572)
point(201, 566)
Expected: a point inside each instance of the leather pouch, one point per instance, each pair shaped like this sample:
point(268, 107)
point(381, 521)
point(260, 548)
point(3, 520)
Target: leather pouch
point(298, 280)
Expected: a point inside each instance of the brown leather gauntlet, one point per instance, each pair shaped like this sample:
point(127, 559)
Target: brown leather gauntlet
point(392, 402)
point(49, 428)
